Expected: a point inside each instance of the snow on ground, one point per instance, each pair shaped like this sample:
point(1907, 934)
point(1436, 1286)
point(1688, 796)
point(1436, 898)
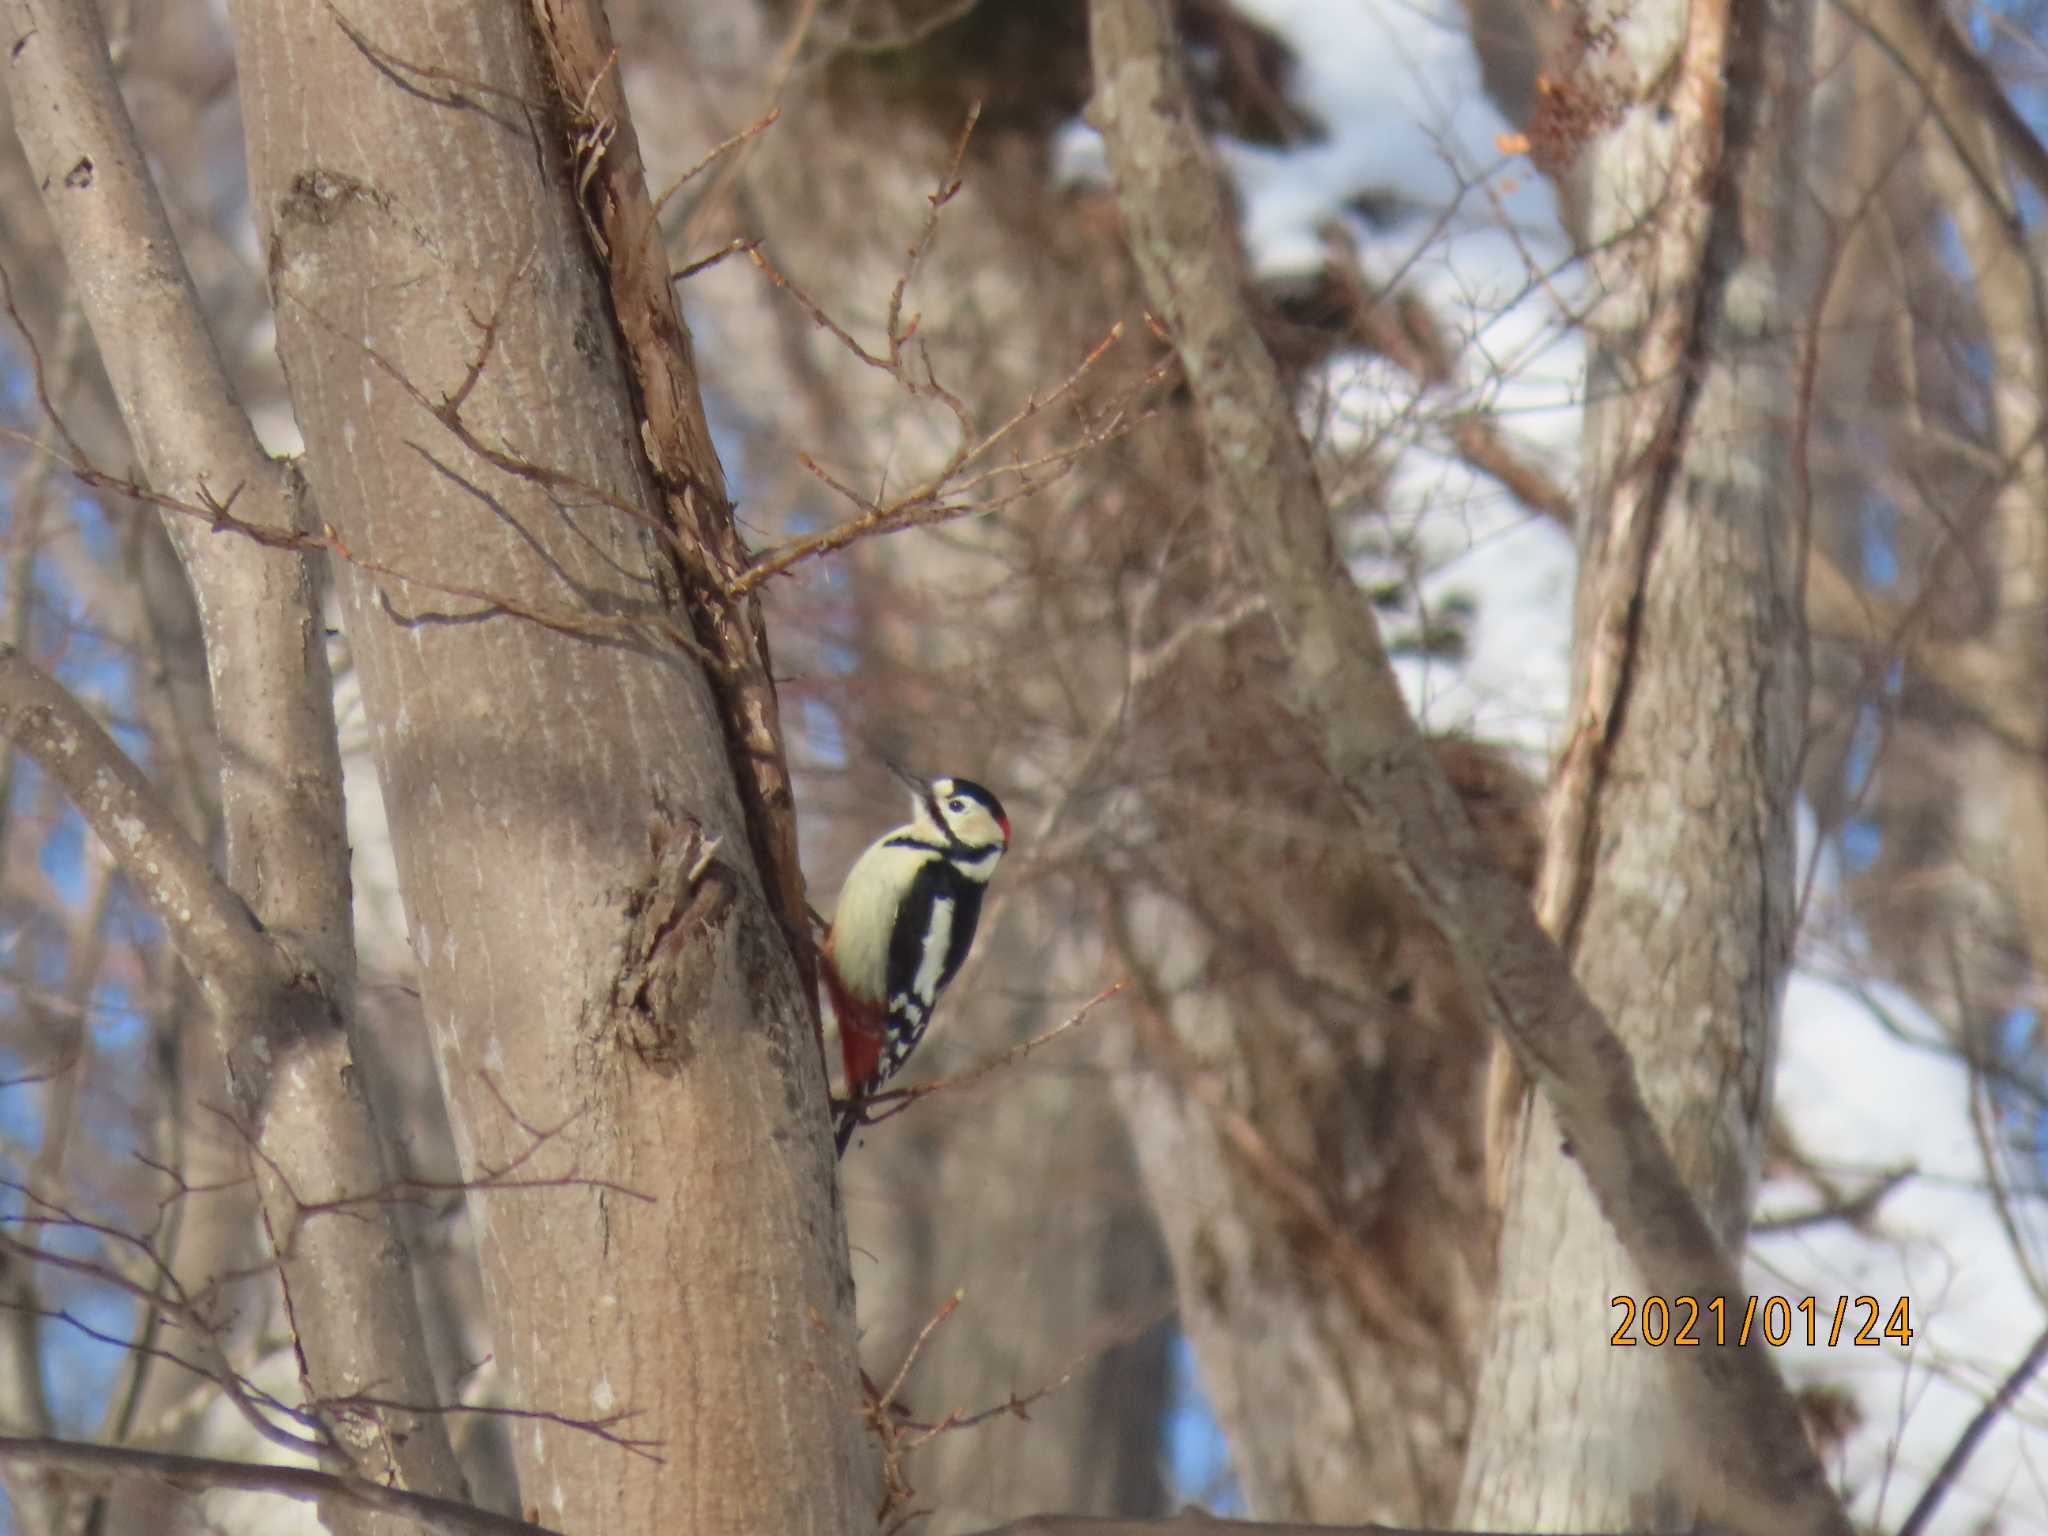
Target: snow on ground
point(1866, 1097)
point(1475, 233)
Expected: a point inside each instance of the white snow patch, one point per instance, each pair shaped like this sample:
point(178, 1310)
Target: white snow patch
point(1865, 1100)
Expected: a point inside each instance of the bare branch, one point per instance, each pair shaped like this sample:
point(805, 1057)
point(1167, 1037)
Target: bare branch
point(732, 247)
point(946, 494)
point(1980, 1425)
point(900, 1434)
point(894, 1101)
point(199, 1474)
point(724, 147)
point(949, 188)
point(207, 923)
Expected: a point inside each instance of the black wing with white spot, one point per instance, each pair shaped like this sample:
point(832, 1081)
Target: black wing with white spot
point(934, 929)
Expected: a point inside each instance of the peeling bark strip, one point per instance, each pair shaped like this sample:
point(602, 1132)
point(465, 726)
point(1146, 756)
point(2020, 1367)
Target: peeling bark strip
point(1614, 559)
point(705, 545)
point(1765, 1476)
point(1667, 342)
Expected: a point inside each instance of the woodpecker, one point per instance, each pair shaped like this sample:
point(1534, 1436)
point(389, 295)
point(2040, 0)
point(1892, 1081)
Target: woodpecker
point(905, 919)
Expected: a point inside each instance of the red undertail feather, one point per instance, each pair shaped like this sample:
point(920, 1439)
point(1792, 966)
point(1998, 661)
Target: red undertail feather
point(860, 1030)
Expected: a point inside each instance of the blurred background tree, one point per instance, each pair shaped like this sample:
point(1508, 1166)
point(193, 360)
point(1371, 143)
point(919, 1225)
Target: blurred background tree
point(1240, 1216)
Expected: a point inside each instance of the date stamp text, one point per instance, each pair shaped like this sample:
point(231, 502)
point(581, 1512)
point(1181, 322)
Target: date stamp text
point(1776, 1320)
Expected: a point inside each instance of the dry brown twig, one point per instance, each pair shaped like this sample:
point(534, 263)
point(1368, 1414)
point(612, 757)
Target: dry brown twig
point(902, 1435)
point(1999, 1403)
point(490, 1179)
point(130, 1262)
point(719, 196)
point(218, 514)
point(894, 1101)
point(732, 247)
point(956, 488)
point(886, 1419)
point(716, 153)
point(167, 1298)
point(149, 1280)
point(948, 493)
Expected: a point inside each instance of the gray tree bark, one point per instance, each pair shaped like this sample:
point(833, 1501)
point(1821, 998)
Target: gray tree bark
point(1669, 873)
point(1340, 687)
point(618, 1019)
point(275, 958)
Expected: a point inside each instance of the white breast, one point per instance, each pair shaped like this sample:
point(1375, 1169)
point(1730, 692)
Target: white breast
point(866, 915)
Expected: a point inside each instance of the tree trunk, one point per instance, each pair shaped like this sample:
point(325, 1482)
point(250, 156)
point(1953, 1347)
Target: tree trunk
point(1669, 870)
point(618, 1020)
point(1017, 286)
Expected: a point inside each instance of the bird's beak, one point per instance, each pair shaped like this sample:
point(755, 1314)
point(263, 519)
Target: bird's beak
point(922, 789)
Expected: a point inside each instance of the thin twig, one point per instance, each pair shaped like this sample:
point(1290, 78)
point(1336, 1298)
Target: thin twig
point(900, 1435)
point(1015, 1406)
point(942, 496)
point(732, 247)
point(894, 1101)
point(946, 1309)
point(716, 152)
point(444, 1517)
point(1979, 1426)
point(949, 188)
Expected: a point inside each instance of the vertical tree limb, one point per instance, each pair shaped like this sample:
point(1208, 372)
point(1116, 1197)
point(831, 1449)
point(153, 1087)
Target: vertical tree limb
point(281, 775)
point(1342, 687)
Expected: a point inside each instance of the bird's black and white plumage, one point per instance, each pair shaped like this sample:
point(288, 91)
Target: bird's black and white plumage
point(905, 921)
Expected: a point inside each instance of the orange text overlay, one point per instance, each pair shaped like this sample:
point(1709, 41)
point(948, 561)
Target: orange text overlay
point(1773, 1320)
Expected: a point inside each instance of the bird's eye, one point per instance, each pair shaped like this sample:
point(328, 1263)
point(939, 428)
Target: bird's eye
point(956, 805)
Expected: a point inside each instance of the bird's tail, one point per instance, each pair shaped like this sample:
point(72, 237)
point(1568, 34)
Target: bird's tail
point(849, 1122)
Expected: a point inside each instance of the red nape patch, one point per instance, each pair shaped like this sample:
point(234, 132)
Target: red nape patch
point(1004, 823)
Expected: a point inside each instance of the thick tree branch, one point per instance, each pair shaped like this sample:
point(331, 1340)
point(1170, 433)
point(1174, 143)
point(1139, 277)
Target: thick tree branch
point(199, 1474)
point(1342, 687)
point(208, 924)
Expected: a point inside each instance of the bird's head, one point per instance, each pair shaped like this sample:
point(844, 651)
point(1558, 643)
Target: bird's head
point(958, 811)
